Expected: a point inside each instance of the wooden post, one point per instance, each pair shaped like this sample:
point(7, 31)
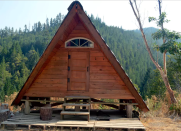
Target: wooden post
point(29, 127)
point(64, 107)
point(47, 99)
point(62, 116)
point(2, 126)
point(129, 110)
point(27, 106)
point(44, 127)
point(121, 107)
point(77, 108)
point(84, 107)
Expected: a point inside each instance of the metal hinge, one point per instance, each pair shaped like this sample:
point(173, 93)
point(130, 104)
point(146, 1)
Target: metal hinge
point(69, 56)
point(68, 79)
point(68, 68)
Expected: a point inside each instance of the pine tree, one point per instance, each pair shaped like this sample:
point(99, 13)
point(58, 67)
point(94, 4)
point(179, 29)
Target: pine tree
point(47, 23)
point(2, 72)
point(8, 87)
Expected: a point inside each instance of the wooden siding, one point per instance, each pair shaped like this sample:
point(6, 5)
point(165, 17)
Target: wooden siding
point(104, 82)
point(53, 78)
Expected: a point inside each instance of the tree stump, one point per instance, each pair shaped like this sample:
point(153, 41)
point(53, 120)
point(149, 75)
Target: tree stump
point(45, 113)
point(4, 115)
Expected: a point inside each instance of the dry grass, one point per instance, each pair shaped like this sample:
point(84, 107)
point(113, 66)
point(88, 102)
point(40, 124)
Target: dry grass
point(160, 124)
point(9, 100)
point(162, 115)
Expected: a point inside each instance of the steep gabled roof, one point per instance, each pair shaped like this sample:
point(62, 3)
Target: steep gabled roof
point(76, 9)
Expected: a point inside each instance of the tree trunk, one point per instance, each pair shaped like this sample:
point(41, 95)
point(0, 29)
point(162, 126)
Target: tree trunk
point(162, 73)
point(164, 62)
point(166, 82)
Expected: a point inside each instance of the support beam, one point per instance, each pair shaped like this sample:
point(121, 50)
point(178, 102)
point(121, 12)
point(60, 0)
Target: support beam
point(110, 105)
point(37, 102)
point(121, 107)
point(27, 106)
point(84, 100)
point(77, 108)
point(48, 99)
point(129, 110)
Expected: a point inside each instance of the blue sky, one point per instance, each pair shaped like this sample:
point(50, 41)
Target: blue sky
point(116, 13)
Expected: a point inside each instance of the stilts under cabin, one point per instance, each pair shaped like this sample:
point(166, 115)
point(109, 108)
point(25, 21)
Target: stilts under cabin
point(79, 68)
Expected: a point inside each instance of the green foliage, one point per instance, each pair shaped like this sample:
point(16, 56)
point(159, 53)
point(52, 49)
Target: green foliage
point(145, 83)
point(157, 86)
point(162, 19)
point(152, 84)
point(174, 71)
point(170, 45)
point(137, 88)
point(176, 108)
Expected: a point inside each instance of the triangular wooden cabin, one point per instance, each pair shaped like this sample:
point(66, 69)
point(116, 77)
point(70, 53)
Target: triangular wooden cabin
point(78, 62)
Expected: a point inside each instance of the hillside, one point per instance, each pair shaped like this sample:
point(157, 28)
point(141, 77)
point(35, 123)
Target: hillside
point(21, 49)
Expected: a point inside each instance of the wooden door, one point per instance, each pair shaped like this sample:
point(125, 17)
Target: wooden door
point(78, 71)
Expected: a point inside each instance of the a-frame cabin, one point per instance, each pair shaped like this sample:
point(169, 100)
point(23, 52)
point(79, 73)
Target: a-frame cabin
point(78, 62)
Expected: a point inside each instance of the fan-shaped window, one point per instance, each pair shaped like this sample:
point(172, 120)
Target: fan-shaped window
point(79, 42)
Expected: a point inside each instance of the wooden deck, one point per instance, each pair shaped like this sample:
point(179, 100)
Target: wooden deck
point(33, 121)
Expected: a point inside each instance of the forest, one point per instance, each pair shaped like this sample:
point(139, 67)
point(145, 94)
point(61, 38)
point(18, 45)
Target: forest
point(21, 49)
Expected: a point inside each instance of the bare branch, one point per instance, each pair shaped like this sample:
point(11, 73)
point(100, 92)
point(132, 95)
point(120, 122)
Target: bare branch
point(137, 9)
point(144, 37)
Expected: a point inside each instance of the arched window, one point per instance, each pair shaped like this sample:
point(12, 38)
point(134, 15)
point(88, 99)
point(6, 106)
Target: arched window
point(79, 42)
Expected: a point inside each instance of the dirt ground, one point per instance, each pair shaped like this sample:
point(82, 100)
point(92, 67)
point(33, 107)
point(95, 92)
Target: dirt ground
point(162, 124)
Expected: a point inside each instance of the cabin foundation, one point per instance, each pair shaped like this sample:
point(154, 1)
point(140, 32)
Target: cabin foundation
point(33, 122)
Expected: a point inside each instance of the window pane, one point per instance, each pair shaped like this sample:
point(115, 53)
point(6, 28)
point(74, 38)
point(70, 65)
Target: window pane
point(79, 43)
point(82, 41)
point(76, 41)
point(70, 43)
point(88, 44)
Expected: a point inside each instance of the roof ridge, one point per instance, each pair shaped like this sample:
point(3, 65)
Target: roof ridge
point(73, 3)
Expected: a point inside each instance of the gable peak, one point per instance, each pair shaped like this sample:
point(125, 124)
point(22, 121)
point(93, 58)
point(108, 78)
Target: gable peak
point(75, 3)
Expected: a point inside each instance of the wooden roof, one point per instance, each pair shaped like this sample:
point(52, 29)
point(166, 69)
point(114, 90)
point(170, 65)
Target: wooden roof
point(76, 9)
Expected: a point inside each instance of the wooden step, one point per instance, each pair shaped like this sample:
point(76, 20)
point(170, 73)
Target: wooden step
point(74, 113)
point(70, 104)
point(72, 122)
point(78, 97)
